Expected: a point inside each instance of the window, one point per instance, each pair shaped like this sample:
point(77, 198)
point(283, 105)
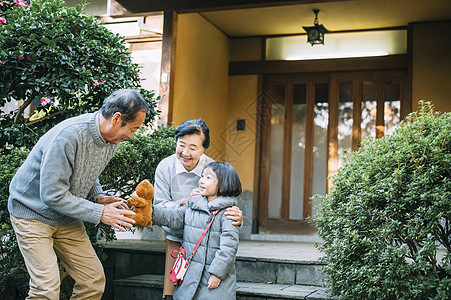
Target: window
point(338, 45)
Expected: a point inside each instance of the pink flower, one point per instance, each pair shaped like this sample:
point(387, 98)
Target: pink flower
point(45, 101)
point(95, 83)
point(21, 57)
point(103, 80)
point(2, 20)
point(21, 3)
point(1, 3)
point(52, 83)
point(1, 62)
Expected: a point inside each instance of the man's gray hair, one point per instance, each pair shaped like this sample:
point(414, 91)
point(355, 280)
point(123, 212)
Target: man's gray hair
point(128, 102)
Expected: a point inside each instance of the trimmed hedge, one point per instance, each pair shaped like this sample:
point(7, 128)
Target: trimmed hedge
point(386, 223)
point(135, 159)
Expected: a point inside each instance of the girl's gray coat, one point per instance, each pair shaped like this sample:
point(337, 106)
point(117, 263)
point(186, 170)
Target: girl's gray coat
point(216, 253)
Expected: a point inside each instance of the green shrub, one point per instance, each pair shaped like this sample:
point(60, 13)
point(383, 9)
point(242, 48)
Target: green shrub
point(137, 159)
point(10, 160)
point(388, 216)
point(59, 61)
point(62, 63)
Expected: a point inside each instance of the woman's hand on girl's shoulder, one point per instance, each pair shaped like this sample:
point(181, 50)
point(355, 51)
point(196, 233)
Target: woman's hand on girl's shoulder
point(235, 214)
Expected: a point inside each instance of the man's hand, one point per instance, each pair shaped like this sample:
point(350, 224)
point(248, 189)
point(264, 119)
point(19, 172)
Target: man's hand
point(115, 217)
point(213, 282)
point(234, 214)
point(103, 199)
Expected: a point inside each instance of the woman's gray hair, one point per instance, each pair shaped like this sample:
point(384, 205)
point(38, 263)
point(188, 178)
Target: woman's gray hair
point(128, 102)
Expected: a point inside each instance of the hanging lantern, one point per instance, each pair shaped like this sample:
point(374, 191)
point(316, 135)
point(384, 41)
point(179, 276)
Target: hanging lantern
point(315, 33)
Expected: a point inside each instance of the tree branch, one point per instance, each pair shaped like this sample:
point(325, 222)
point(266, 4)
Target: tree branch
point(46, 117)
point(22, 108)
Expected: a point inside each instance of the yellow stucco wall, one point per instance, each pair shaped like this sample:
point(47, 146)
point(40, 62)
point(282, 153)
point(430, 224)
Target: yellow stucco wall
point(203, 89)
point(241, 144)
point(243, 103)
point(431, 66)
point(201, 79)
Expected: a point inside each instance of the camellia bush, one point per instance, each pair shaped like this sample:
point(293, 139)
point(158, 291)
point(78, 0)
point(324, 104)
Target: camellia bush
point(386, 223)
point(60, 62)
point(137, 159)
point(10, 258)
point(55, 62)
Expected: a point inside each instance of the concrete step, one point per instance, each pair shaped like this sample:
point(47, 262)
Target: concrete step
point(311, 238)
point(150, 287)
point(271, 263)
point(279, 271)
point(141, 287)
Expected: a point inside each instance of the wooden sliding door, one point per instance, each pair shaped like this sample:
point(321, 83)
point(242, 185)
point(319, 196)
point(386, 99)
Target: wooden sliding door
point(310, 123)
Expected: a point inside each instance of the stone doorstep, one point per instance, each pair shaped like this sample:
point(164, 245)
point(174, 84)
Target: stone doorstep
point(275, 263)
point(248, 290)
point(145, 281)
point(283, 252)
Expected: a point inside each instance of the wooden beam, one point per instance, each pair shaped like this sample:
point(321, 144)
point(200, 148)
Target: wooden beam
point(356, 114)
point(167, 67)
point(264, 114)
point(308, 155)
point(258, 171)
point(380, 109)
point(332, 132)
point(388, 62)
point(287, 141)
point(140, 6)
point(406, 87)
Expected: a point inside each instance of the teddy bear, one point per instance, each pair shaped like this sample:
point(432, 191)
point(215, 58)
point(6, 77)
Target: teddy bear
point(142, 204)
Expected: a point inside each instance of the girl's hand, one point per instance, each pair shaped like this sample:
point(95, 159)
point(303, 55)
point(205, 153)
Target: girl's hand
point(213, 282)
point(196, 191)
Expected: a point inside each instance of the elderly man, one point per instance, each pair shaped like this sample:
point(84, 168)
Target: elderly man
point(57, 188)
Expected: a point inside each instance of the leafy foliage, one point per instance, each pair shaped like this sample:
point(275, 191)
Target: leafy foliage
point(386, 223)
point(10, 160)
point(61, 62)
point(137, 159)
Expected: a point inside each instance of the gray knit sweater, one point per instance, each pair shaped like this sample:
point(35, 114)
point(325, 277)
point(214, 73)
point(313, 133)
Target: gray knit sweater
point(173, 183)
point(60, 173)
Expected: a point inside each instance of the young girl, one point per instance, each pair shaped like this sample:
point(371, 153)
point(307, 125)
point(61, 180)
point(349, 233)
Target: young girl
point(211, 274)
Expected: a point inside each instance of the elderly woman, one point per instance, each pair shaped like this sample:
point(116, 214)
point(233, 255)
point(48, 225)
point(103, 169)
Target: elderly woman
point(176, 176)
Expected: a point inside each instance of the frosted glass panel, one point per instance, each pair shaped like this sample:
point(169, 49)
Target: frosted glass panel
point(344, 121)
point(392, 108)
point(276, 152)
point(298, 152)
point(338, 45)
point(369, 105)
point(321, 121)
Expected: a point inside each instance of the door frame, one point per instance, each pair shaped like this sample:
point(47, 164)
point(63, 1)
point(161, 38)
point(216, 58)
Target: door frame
point(263, 147)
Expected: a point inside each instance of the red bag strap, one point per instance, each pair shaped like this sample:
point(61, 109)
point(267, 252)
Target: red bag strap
point(203, 234)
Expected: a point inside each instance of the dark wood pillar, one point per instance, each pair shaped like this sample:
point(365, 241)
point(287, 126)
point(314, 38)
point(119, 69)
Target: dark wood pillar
point(167, 67)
